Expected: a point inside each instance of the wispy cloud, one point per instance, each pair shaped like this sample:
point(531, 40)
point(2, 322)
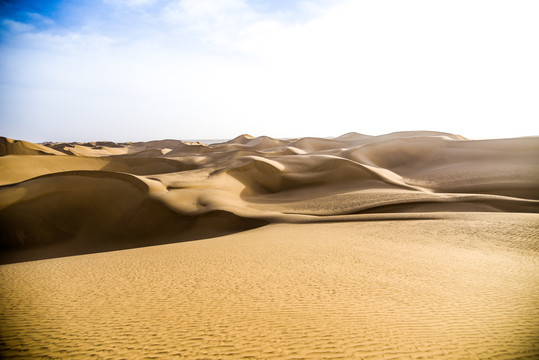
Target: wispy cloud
point(16, 27)
point(209, 68)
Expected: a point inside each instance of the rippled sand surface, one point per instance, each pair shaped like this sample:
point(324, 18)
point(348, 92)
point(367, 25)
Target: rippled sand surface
point(449, 286)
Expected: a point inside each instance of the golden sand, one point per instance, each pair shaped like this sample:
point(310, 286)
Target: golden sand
point(402, 246)
point(458, 287)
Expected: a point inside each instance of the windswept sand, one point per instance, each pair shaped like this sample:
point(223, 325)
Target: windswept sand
point(406, 245)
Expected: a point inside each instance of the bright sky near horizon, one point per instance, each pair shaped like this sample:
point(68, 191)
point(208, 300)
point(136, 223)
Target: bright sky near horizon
point(134, 70)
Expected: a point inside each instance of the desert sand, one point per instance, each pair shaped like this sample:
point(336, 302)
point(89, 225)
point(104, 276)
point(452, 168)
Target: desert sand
point(402, 246)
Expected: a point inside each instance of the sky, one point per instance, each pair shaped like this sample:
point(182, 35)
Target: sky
point(136, 70)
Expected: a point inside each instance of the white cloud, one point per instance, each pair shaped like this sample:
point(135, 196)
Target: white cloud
point(410, 65)
point(16, 27)
point(39, 19)
point(131, 3)
point(213, 68)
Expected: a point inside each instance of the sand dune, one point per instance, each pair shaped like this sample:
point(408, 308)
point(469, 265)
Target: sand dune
point(82, 211)
point(19, 147)
point(402, 246)
point(63, 194)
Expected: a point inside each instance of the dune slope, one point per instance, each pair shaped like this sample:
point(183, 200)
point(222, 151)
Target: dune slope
point(462, 286)
point(59, 199)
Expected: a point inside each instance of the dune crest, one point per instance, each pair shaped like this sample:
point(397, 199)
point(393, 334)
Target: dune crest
point(63, 195)
point(19, 147)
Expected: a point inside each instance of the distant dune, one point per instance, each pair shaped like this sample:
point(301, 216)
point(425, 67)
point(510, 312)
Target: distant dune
point(60, 199)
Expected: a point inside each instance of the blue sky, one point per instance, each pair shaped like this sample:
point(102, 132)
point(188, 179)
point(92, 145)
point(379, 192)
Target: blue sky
point(127, 70)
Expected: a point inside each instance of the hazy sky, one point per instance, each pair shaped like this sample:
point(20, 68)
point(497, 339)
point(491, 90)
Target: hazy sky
point(201, 69)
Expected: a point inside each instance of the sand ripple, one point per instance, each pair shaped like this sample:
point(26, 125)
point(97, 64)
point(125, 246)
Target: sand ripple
point(461, 287)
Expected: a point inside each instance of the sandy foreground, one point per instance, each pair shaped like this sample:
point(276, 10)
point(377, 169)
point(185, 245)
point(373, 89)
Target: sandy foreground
point(402, 246)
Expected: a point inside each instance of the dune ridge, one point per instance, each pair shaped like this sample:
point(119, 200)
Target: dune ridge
point(66, 196)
